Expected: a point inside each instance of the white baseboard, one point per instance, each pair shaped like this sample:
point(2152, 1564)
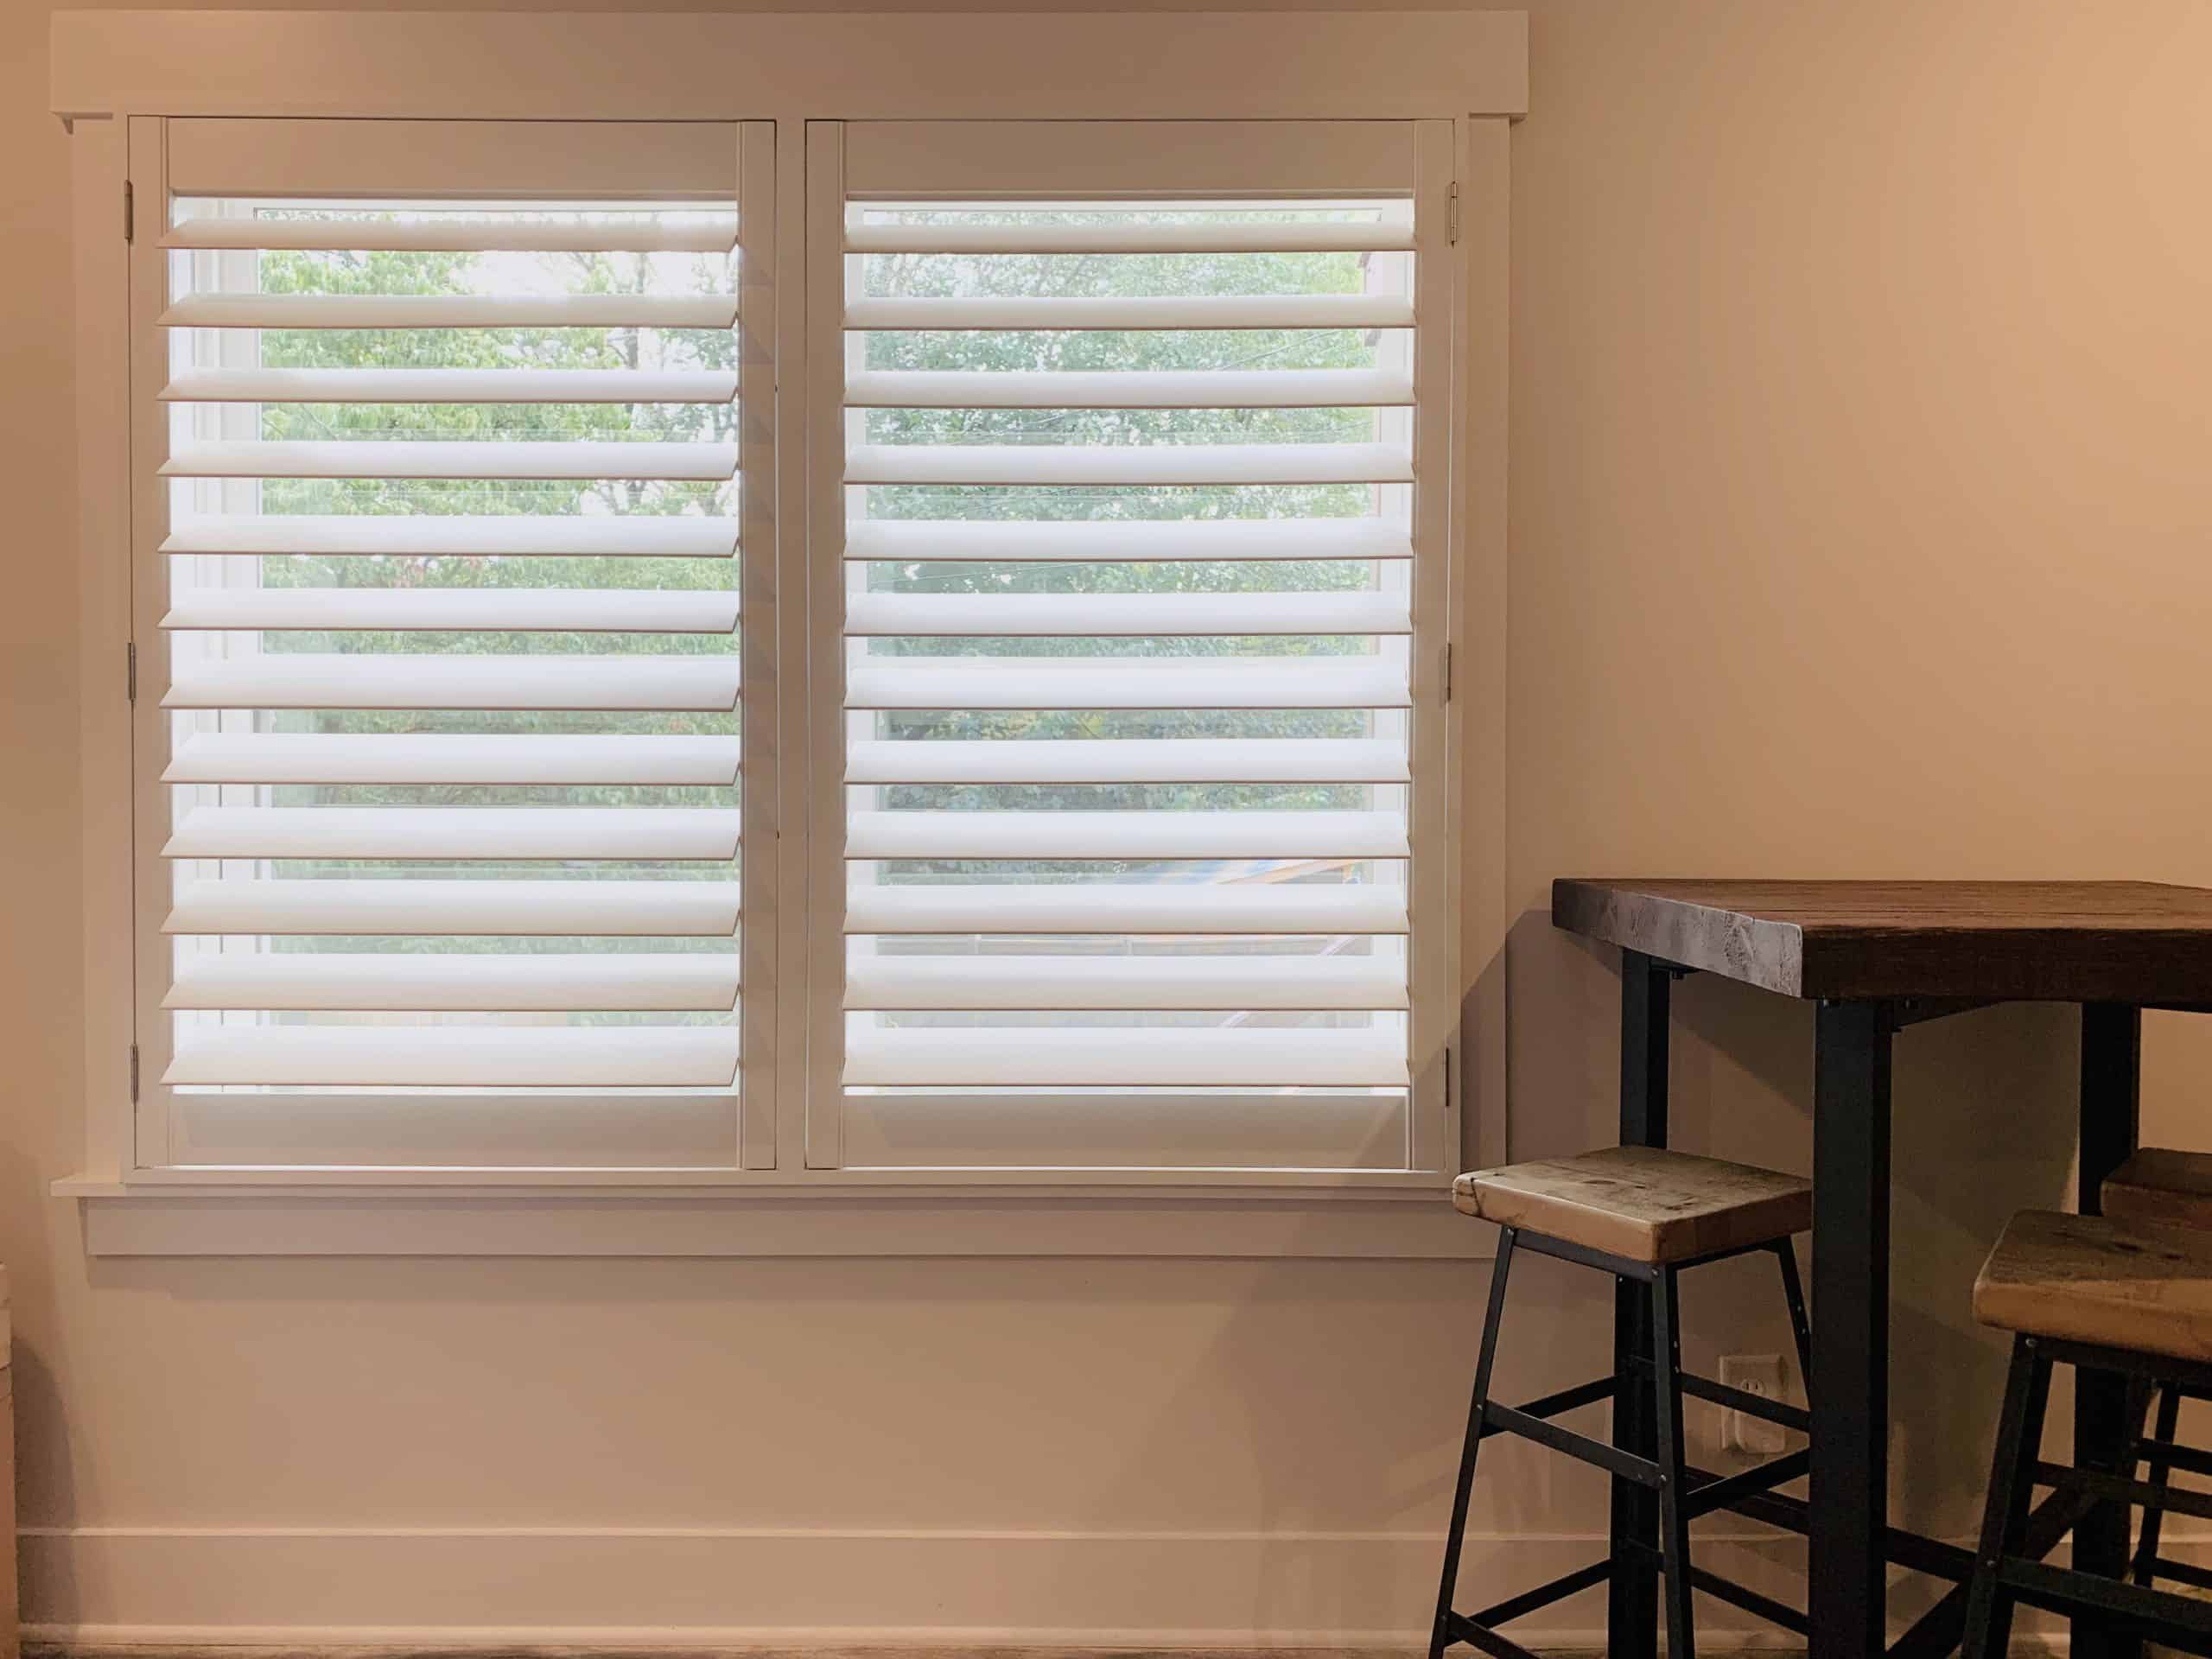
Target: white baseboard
point(698, 1589)
point(736, 1588)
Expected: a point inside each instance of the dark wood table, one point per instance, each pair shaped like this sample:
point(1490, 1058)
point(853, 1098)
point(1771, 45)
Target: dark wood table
point(1877, 956)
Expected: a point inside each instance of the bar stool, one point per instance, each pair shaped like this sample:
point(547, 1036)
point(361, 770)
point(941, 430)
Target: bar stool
point(1642, 1214)
point(2162, 1186)
point(2100, 1294)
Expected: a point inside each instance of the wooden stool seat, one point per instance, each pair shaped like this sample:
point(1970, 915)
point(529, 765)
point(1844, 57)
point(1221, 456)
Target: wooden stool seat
point(1644, 1203)
point(2095, 1280)
point(2161, 1186)
point(2113, 1299)
point(1645, 1216)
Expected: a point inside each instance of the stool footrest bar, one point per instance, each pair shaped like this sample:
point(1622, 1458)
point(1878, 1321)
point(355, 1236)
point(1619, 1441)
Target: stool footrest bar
point(1937, 1633)
point(1544, 1595)
point(1751, 1602)
point(2063, 1591)
point(2189, 1459)
point(1736, 1595)
point(1610, 1458)
point(1913, 1551)
point(2197, 1577)
point(1720, 1493)
point(1552, 1405)
point(2119, 1489)
point(1751, 1405)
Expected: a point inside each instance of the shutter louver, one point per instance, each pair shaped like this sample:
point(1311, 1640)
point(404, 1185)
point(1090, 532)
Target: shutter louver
point(451, 683)
point(1130, 623)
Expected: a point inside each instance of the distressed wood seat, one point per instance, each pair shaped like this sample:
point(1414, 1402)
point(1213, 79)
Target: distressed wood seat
point(2115, 1297)
point(1644, 1203)
point(2091, 1278)
point(1643, 1215)
point(2161, 1186)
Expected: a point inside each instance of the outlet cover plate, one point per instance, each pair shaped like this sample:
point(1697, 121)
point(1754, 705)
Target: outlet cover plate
point(1759, 1374)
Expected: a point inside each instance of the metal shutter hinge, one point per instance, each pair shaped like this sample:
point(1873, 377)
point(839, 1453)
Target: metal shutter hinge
point(1451, 1097)
point(129, 214)
point(134, 1072)
point(1452, 216)
point(1446, 669)
point(130, 671)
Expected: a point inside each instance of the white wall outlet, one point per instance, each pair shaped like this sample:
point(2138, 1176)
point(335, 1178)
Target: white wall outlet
point(1758, 1374)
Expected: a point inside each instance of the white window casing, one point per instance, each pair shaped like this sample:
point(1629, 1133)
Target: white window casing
point(1015, 721)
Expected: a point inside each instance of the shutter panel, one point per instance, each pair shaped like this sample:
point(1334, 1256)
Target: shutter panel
point(1141, 527)
point(448, 528)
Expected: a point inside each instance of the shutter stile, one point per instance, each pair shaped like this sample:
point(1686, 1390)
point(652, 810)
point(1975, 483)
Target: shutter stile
point(1128, 678)
point(452, 682)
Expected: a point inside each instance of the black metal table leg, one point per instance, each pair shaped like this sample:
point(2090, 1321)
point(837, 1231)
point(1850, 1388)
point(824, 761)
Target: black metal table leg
point(1632, 1610)
point(1851, 1331)
point(2112, 1075)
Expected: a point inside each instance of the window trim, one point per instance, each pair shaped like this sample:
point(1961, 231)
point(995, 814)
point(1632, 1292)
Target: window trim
point(1469, 67)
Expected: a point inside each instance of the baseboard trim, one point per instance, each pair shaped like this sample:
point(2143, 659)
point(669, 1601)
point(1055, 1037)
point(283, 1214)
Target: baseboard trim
point(754, 1588)
point(317, 1591)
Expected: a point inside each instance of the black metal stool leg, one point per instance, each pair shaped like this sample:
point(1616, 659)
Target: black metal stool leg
point(1440, 1634)
point(1674, 1520)
point(2167, 1427)
point(1632, 1597)
point(1793, 1293)
point(2011, 1489)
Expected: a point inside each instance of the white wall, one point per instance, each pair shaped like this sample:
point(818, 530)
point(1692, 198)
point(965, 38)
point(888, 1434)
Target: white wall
point(1860, 511)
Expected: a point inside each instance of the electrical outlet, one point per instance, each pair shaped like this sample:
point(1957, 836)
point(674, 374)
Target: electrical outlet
point(1758, 1374)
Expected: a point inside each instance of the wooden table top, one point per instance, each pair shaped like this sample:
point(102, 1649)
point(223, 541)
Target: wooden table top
point(2142, 942)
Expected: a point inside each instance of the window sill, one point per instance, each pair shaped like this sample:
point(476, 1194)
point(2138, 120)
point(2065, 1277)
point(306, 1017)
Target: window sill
point(120, 1220)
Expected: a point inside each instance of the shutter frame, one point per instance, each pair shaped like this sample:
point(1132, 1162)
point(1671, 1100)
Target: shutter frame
point(884, 1094)
point(239, 1001)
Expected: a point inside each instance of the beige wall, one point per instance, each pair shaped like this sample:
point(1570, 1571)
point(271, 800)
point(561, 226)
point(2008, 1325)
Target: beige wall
point(1860, 500)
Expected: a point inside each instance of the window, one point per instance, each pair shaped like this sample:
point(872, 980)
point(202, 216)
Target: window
point(681, 645)
point(442, 503)
point(1140, 546)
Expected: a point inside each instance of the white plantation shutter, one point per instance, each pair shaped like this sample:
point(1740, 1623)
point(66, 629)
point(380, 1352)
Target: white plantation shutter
point(1134, 442)
point(447, 477)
